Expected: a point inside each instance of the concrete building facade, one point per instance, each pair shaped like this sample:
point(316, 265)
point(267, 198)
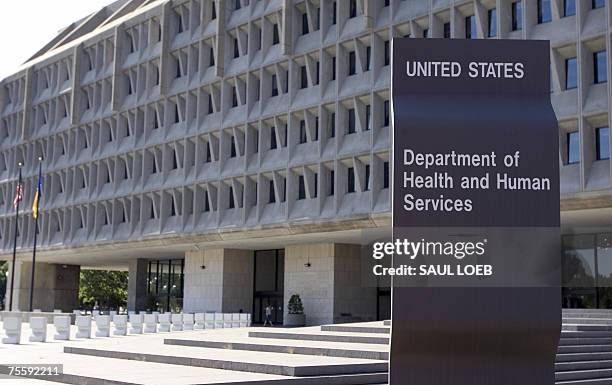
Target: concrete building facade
point(238, 150)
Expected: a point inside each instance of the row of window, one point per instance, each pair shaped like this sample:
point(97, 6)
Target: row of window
point(600, 70)
point(602, 145)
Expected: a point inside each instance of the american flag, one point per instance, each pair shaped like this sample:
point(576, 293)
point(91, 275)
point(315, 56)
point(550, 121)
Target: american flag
point(18, 195)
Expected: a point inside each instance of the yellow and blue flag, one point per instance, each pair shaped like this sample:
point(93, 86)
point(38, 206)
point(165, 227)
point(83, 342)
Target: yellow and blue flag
point(37, 196)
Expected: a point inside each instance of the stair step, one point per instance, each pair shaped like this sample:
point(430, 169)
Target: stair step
point(575, 327)
point(356, 329)
point(595, 381)
point(255, 363)
point(584, 348)
point(583, 374)
point(585, 341)
point(322, 337)
point(576, 357)
point(587, 320)
point(287, 349)
point(582, 365)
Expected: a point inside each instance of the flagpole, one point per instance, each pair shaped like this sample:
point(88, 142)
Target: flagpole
point(19, 192)
point(36, 204)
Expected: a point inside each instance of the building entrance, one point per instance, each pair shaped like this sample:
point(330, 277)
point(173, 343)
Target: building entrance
point(268, 288)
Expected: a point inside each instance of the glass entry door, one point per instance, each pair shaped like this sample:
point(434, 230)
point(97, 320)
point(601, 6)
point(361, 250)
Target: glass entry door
point(269, 279)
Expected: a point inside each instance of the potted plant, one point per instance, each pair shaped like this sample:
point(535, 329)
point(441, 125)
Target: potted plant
point(295, 312)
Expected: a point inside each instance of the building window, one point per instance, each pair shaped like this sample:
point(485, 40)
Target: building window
point(332, 125)
point(387, 2)
point(492, 30)
point(600, 67)
point(447, 30)
point(208, 153)
point(303, 138)
point(316, 82)
point(386, 112)
point(334, 12)
point(603, 143)
point(237, 6)
point(211, 60)
point(386, 174)
point(571, 73)
point(544, 12)
point(598, 4)
point(206, 204)
point(274, 86)
point(425, 33)
point(368, 58)
point(350, 180)
point(573, 147)
point(387, 53)
point(305, 29)
point(275, 35)
point(234, 97)
point(351, 121)
point(315, 193)
point(352, 63)
point(367, 178)
point(210, 104)
point(232, 147)
point(517, 15)
point(236, 48)
point(232, 204)
point(470, 27)
point(333, 68)
point(271, 194)
point(301, 188)
point(273, 143)
point(213, 11)
point(569, 8)
point(368, 117)
point(352, 8)
point(316, 128)
point(332, 185)
point(303, 77)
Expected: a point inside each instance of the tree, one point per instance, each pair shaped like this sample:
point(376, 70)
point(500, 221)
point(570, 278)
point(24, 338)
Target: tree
point(108, 288)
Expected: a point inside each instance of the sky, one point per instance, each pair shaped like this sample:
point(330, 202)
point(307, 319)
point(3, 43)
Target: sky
point(27, 25)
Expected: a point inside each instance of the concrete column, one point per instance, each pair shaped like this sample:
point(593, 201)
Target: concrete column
point(218, 280)
point(330, 288)
point(137, 284)
point(55, 286)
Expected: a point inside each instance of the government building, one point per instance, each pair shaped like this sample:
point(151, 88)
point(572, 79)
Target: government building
point(232, 153)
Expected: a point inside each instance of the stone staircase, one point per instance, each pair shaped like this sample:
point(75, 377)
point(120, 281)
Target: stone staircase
point(334, 354)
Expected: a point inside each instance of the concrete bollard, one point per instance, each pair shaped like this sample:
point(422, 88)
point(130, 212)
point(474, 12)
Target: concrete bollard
point(38, 327)
point(120, 322)
point(164, 322)
point(188, 321)
point(177, 322)
point(62, 327)
point(235, 320)
point(12, 329)
point(95, 313)
point(244, 320)
point(112, 313)
point(209, 320)
point(218, 320)
point(199, 323)
point(103, 326)
point(83, 324)
point(135, 323)
point(57, 310)
point(150, 323)
point(227, 320)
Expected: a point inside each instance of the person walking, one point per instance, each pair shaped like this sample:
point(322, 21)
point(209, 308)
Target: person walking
point(268, 319)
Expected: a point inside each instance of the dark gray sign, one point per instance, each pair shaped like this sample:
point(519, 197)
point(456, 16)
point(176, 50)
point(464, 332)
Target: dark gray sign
point(476, 259)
